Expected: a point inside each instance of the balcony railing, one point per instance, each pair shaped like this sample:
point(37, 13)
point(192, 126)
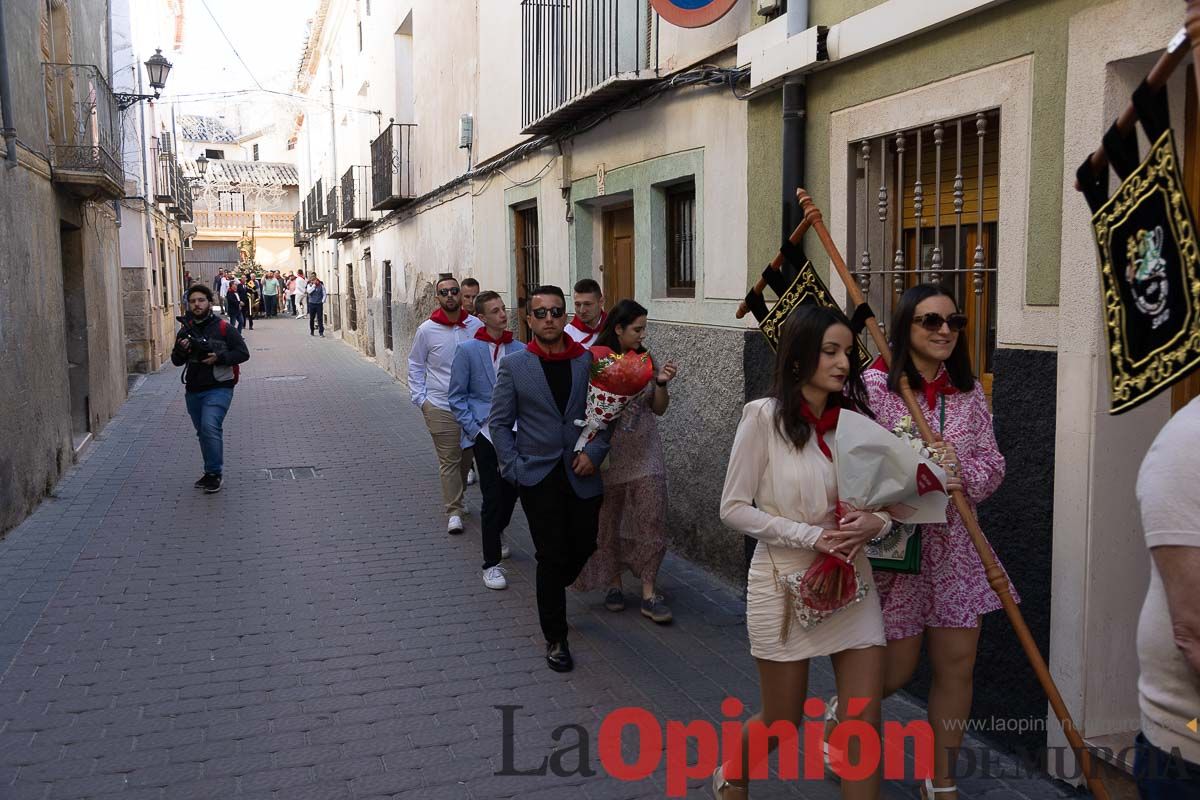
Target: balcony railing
point(217, 219)
point(333, 224)
point(356, 199)
point(84, 130)
point(171, 188)
point(298, 237)
point(577, 55)
point(392, 183)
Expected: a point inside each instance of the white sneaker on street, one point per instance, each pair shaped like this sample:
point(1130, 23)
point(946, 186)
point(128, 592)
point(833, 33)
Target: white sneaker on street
point(504, 551)
point(472, 479)
point(493, 578)
point(455, 526)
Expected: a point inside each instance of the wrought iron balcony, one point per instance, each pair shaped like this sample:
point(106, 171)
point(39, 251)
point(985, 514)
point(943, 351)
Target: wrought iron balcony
point(84, 131)
point(356, 199)
point(578, 55)
point(392, 183)
point(298, 237)
point(333, 203)
point(315, 204)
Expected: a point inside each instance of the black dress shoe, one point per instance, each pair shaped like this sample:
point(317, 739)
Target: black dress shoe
point(558, 657)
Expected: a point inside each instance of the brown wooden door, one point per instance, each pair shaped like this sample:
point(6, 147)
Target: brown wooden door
point(1183, 392)
point(618, 255)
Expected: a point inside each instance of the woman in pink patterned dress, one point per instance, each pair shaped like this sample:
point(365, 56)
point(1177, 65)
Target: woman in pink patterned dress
point(633, 517)
point(944, 601)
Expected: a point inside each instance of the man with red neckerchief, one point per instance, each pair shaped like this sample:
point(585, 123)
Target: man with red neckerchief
point(543, 390)
point(429, 364)
point(590, 315)
point(472, 381)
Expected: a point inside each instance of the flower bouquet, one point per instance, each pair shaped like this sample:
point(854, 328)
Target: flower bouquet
point(615, 380)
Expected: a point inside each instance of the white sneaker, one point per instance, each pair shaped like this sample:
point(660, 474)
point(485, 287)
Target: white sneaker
point(493, 578)
point(472, 478)
point(504, 551)
point(455, 526)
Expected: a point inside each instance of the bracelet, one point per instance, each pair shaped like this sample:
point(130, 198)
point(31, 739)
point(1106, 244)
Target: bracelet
point(878, 540)
point(660, 384)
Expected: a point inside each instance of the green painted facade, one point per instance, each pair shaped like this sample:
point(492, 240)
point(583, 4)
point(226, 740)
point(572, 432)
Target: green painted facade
point(1007, 31)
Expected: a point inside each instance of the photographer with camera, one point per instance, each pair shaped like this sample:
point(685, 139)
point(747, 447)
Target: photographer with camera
point(211, 349)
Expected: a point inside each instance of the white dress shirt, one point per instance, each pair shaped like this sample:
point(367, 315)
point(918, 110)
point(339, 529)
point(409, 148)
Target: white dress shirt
point(431, 357)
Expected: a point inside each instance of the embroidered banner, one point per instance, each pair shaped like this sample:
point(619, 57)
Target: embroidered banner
point(806, 288)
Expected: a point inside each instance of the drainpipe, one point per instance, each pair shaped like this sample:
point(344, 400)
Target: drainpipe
point(6, 102)
point(794, 113)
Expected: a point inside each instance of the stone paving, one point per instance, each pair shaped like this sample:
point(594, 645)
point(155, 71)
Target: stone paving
point(311, 631)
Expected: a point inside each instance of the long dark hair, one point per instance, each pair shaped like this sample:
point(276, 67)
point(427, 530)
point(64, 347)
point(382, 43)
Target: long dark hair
point(624, 313)
point(958, 365)
point(796, 360)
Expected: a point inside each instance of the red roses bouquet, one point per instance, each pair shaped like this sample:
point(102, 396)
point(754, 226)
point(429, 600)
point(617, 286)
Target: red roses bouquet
point(616, 379)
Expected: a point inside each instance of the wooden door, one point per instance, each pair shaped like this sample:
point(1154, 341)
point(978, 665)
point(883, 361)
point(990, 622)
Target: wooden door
point(618, 256)
point(1183, 392)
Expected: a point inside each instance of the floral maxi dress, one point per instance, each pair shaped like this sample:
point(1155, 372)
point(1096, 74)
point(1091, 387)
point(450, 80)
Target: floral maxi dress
point(951, 590)
point(633, 517)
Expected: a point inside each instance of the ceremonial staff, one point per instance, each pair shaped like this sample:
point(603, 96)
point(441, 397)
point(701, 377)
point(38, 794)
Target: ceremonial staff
point(996, 575)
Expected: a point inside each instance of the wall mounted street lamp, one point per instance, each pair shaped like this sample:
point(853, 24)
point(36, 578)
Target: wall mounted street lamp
point(157, 69)
point(202, 164)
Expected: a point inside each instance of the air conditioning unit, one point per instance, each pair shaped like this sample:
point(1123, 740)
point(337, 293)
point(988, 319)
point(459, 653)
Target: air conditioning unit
point(767, 8)
point(466, 131)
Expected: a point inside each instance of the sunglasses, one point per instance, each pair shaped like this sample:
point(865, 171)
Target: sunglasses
point(557, 312)
point(452, 291)
point(934, 322)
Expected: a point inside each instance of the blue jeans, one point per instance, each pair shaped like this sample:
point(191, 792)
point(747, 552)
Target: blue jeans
point(1161, 776)
point(208, 409)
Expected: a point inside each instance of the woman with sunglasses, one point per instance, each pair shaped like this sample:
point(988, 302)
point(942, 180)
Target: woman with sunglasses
point(943, 602)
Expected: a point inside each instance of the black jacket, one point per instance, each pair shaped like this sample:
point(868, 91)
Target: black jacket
point(224, 340)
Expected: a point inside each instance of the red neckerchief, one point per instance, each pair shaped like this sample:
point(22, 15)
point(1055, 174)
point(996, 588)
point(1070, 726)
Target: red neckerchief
point(439, 316)
point(939, 385)
point(580, 325)
point(826, 423)
point(574, 350)
point(504, 339)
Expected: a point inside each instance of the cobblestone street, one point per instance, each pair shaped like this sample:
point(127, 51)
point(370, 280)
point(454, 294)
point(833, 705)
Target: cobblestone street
point(311, 631)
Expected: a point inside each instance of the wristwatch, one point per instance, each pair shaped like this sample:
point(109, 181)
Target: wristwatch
point(662, 384)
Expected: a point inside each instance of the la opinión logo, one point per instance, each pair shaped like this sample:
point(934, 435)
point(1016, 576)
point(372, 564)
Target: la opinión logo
point(722, 743)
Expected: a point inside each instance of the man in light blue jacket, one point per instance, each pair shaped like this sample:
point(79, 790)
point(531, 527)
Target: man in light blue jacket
point(543, 390)
point(472, 380)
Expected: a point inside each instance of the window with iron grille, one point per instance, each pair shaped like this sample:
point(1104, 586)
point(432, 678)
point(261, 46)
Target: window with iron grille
point(926, 209)
point(529, 276)
point(255, 152)
point(231, 201)
point(681, 240)
point(387, 305)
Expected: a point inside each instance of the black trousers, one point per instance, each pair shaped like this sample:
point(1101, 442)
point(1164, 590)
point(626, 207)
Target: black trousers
point(272, 303)
point(315, 317)
point(564, 528)
point(499, 499)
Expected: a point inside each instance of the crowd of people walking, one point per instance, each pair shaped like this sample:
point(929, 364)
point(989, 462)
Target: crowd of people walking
point(597, 506)
point(599, 511)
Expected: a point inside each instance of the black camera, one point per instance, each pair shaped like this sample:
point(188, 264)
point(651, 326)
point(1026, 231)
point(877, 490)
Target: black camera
point(200, 348)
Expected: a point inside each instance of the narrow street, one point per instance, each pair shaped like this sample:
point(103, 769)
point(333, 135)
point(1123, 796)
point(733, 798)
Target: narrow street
point(311, 631)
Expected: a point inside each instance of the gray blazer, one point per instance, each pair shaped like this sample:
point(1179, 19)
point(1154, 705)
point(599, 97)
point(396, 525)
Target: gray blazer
point(544, 437)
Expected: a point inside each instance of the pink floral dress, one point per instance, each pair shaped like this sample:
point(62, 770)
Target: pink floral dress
point(951, 590)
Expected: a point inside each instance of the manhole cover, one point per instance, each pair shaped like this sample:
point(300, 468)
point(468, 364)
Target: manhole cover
point(291, 473)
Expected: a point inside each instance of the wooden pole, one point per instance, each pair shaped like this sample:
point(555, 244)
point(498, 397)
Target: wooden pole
point(1177, 51)
point(1192, 26)
point(996, 576)
point(776, 263)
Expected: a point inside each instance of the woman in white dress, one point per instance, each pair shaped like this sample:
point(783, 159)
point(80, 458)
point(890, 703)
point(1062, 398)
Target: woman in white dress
point(781, 488)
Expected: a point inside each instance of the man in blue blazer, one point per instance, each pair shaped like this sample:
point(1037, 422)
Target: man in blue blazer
point(472, 379)
point(543, 390)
